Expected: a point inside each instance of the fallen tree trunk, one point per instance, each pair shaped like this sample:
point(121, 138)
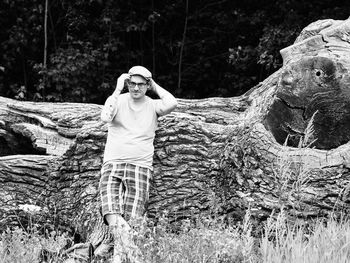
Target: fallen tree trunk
point(285, 143)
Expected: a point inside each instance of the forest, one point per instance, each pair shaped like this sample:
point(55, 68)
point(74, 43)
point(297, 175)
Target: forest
point(74, 51)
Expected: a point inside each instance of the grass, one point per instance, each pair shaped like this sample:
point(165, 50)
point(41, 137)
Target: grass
point(21, 246)
point(323, 241)
point(210, 242)
point(200, 241)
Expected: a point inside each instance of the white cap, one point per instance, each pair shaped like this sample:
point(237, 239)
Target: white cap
point(141, 71)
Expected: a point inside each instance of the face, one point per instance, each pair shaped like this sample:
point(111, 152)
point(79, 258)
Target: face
point(137, 86)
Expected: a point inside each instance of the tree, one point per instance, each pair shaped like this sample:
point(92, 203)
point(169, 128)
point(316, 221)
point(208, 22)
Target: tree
point(229, 46)
point(222, 154)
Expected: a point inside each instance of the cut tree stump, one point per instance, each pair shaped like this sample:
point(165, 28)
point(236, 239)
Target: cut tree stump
point(219, 155)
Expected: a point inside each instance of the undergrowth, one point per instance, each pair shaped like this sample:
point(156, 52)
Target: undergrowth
point(322, 241)
point(22, 246)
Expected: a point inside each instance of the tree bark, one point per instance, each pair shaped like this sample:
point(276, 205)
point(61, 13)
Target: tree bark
point(215, 155)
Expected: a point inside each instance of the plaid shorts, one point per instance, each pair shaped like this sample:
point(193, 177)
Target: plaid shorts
point(124, 189)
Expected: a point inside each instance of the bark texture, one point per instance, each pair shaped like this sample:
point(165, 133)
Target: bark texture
point(283, 143)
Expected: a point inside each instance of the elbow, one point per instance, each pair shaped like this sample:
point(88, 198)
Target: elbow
point(175, 103)
point(105, 118)
point(167, 107)
point(172, 105)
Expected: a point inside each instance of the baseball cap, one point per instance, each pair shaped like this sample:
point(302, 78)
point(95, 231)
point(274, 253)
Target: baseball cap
point(141, 71)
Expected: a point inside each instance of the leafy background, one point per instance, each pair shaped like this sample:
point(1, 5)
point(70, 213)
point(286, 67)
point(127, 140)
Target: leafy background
point(195, 49)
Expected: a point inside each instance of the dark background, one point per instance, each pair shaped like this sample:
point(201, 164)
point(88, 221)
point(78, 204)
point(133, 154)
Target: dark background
point(195, 49)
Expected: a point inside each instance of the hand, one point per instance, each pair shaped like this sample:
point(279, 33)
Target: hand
point(120, 83)
point(152, 85)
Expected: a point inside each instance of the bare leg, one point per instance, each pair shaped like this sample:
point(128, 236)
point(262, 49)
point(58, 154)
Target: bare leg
point(121, 231)
point(115, 228)
point(117, 220)
point(124, 246)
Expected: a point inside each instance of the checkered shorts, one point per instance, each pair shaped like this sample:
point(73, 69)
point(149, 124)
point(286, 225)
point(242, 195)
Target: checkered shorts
point(124, 189)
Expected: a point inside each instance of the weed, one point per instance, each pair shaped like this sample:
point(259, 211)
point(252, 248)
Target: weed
point(20, 246)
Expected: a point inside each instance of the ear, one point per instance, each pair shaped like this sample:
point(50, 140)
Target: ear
point(149, 86)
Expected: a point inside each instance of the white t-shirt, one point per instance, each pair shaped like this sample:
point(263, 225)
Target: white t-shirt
point(131, 133)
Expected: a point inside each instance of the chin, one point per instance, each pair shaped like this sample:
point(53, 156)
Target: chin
point(136, 96)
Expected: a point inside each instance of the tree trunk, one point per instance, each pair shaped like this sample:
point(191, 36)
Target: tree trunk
point(219, 155)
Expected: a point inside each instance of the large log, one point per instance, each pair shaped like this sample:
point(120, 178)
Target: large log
point(211, 155)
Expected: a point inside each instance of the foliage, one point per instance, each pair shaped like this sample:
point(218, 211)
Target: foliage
point(324, 240)
point(204, 240)
point(20, 42)
point(226, 48)
point(74, 75)
point(20, 246)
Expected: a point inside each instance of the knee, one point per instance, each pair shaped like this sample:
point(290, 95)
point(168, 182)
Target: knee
point(111, 219)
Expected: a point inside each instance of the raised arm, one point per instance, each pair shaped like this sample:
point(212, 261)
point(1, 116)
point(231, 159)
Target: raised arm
point(167, 102)
point(110, 108)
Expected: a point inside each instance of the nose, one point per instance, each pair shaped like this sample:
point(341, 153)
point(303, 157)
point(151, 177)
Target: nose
point(136, 87)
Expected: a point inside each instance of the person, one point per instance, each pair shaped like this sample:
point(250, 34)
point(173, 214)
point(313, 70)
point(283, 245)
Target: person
point(128, 155)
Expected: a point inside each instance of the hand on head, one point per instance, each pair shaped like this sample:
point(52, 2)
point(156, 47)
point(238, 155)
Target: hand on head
point(121, 81)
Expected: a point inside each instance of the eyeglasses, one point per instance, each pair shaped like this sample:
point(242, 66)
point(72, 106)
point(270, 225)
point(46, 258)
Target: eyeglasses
point(141, 85)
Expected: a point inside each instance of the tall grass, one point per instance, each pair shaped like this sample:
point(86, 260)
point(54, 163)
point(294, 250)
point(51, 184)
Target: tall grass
point(22, 246)
point(196, 241)
point(291, 172)
point(322, 241)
